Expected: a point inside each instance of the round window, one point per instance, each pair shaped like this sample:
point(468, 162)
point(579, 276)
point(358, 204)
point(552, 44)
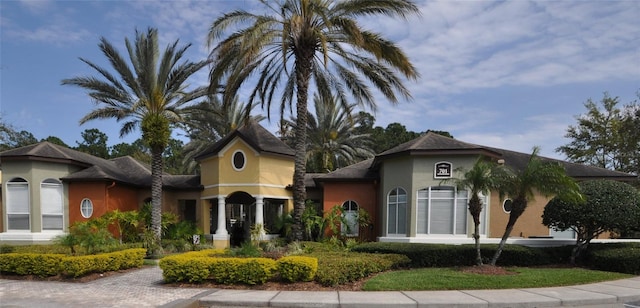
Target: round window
point(86, 208)
point(238, 160)
point(507, 205)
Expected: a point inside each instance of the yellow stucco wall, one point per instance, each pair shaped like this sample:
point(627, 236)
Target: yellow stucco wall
point(263, 174)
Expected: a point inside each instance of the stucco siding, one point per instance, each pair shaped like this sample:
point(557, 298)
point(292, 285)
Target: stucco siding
point(396, 172)
point(529, 224)
point(364, 194)
point(105, 197)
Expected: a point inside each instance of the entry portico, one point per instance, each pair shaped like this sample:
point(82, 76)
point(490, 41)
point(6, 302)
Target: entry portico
point(245, 178)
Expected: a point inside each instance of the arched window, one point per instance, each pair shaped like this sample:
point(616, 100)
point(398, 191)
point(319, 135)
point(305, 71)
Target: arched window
point(442, 210)
point(350, 215)
point(51, 204)
point(397, 211)
point(18, 204)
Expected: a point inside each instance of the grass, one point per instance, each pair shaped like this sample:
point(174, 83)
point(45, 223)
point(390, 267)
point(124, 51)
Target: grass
point(430, 279)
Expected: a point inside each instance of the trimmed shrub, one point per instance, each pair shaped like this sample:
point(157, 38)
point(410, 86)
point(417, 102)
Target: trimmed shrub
point(340, 268)
point(41, 265)
point(441, 255)
point(199, 266)
point(622, 260)
point(297, 268)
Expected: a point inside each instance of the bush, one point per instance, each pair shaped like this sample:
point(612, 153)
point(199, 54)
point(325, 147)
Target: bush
point(441, 255)
point(622, 260)
point(200, 266)
point(297, 268)
point(340, 268)
point(614, 257)
point(41, 265)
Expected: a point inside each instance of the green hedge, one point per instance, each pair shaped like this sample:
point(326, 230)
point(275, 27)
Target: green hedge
point(442, 255)
point(622, 260)
point(43, 265)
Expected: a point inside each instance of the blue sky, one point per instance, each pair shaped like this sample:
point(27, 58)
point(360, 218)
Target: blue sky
point(509, 74)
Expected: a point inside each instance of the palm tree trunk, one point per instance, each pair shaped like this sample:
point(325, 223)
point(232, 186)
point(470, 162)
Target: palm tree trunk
point(303, 75)
point(475, 207)
point(519, 204)
point(476, 238)
point(156, 194)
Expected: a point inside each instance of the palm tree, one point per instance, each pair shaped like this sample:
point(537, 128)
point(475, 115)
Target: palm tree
point(332, 139)
point(149, 93)
point(479, 179)
point(299, 41)
point(545, 177)
point(211, 120)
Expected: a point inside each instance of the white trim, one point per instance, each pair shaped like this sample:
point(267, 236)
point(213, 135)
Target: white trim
point(232, 143)
point(245, 185)
point(81, 212)
point(264, 196)
point(233, 160)
point(505, 201)
point(435, 170)
point(30, 237)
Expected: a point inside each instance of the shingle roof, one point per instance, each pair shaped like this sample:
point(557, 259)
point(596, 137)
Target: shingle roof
point(360, 171)
point(51, 152)
point(256, 136)
point(432, 143)
point(122, 169)
point(518, 161)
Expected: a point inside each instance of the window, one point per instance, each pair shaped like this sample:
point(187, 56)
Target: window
point(51, 204)
point(18, 204)
point(350, 215)
point(397, 211)
point(86, 208)
point(442, 210)
point(507, 205)
point(238, 160)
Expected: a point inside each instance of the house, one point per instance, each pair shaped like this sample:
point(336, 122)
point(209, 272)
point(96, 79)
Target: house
point(246, 181)
point(47, 187)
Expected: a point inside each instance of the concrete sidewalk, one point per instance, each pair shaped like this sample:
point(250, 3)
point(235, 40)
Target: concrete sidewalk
point(145, 288)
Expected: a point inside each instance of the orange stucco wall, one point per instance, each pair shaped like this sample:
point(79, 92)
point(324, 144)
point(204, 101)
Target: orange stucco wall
point(364, 194)
point(103, 195)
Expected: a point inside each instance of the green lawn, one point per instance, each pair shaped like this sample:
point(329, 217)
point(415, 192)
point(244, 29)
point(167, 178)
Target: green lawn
point(453, 279)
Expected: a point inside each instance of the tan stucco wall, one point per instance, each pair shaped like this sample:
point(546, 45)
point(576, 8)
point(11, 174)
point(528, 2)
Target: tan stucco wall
point(529, 224)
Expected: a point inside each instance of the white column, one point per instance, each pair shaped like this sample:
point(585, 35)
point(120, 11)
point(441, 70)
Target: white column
point(260, 213)
point(222, 217)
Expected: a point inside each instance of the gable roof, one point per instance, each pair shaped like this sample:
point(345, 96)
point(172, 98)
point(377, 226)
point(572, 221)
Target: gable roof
point(255, 136)
point(121, 169)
